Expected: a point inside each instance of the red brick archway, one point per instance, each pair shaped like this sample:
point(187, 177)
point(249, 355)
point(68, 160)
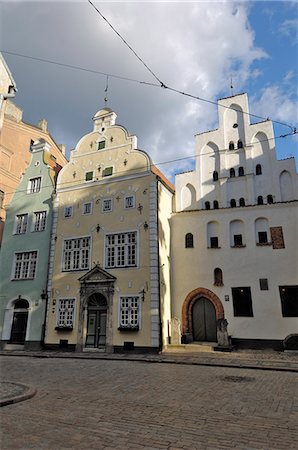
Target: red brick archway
point(191, 298)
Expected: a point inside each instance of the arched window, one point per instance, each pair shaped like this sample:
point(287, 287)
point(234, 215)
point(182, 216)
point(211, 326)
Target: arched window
point(207, 205)
point(269, 199)
point(218, 280)
point(215, 176)
point(215, 204)
point(241, 202)
point(232, 173)
point(258, 169)
point(262, 231)
point(21, 304)
point(231, 145)
point(188, 240)
point(241, 171)
point(240, 144)
point(260, 200)
point(233, 203)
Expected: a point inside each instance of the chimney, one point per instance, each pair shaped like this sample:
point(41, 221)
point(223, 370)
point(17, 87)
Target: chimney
point(43, 125)
point(62, 149)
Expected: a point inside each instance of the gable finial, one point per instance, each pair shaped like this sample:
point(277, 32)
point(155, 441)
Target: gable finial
point(106, 91)
point(231, 86)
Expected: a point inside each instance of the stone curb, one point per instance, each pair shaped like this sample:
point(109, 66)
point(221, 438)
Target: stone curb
point(29, 393)
point(160, 360)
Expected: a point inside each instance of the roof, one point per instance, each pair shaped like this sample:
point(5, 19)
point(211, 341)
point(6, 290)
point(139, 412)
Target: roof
point(8, 72)
point(163, 178)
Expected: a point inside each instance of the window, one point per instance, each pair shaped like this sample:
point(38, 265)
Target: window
point(107, 205)
point(269, 199)
point(218, 280)
point(121, 250)
point(89, 176)
point(31, 145)
point(263, 284)
point(108, 171)
point(262, 237)
point(232, 173)
point(207, 205)
point(34, 185)
point(241, 202)
point(289, 300)
point(129, 202)
point(21, 224)
point(87, 208)
point(25, 265)
point(129, 312)
point(40, 220)
point(65, 316)
point(231, 146)
point(101, 145)
point(1, 199)
point(242, 302)
point(214, 242)
point(215, 176)
point(260, 200)
point(241, 171)
point(258, 169)
point(76, 254)
point(240, 144)
point(189, 240)
point(215, 204)
point(68, 211)
point(238, 240)
point(233, 203)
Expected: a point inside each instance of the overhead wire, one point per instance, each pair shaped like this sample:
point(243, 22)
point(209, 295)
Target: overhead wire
point(170, 161)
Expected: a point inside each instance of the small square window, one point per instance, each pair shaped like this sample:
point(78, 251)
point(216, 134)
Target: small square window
point(87, 208)
point(108, 171)
point(238, 240)
point(34, 185)
point(214, 242)
point(262, 235)
point(107, 205)
point(89, 176)
point(263, 284)
point(101, 145)
point(129, 202)
point(68, 211)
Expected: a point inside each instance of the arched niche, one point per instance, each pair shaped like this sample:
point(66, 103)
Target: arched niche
point(188, 196)
point(286, 186)
point(209, 161)
point(237, 236)
point(234, 116)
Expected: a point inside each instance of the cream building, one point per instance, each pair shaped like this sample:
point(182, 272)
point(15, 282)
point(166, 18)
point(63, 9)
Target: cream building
point(235, 229)
point(109, 266)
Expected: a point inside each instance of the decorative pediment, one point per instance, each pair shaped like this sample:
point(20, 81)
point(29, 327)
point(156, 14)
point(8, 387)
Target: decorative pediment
point(97, 275)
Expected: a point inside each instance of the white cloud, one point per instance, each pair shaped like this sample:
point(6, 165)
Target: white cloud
point(289, 27)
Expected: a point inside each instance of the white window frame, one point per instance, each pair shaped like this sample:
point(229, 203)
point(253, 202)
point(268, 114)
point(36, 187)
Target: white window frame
point(127, 322)
point(89, 171)
point(68, 216)
point(34, 185)
point(91, 208)
point(26, 265)
point(103, 209)
point(74, 254)
point(21, 223)
point(40, 222)
point(108, 167)
point(128, 205)
point(119, 251)
point(66, 312)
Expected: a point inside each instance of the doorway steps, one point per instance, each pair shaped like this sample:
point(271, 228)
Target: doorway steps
point(94, 350)
point(195, 347)
point(12, 347)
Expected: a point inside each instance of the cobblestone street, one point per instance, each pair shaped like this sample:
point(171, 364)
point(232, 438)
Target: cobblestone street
point(100, 404)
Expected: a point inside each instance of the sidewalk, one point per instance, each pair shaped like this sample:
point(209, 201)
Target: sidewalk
point(248, 359)
point(14, 392)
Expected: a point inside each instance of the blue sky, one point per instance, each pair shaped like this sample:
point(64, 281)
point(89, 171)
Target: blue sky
point(194, 46)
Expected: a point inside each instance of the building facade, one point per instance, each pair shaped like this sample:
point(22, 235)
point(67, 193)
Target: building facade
point(109, 268)
point(235, 229)
point(24, 254)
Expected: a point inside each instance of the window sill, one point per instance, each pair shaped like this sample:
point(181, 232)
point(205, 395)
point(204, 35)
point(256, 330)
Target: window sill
point(213, 248)
point(63, 328)
point(128, 328)
point(263, 244)
point(238, 246)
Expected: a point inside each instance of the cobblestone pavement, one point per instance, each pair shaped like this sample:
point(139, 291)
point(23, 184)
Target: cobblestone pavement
point(102, 404)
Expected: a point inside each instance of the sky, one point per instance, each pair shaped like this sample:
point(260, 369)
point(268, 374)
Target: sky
point(196, 47)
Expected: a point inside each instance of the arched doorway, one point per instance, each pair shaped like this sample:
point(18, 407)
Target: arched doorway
point(19, 322)
point(204, 321)
point(96, 321)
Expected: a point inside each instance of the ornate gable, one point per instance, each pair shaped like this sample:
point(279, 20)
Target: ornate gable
point(97, 275)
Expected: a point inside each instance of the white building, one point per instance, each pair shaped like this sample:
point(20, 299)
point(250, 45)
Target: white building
point(234, 235)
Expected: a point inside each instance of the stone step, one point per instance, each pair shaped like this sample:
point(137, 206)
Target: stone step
point(94, 350)
point(13, 347)
point(191, 348)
